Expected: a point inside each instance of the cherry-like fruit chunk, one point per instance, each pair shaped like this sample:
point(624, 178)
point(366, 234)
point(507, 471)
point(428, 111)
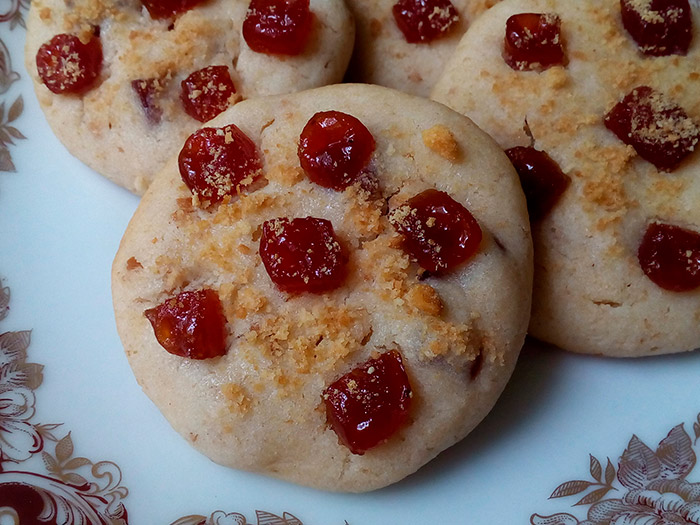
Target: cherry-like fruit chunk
point(533, 42)
point(542, 180)
point(215, 162)
point(169, 8)
point(437, 230)
point(147, 91)
point(424, 20)
point(207, 92)
point(278, 27)
point(191, 324)
point(670, 256)
point(368, 405)
point(67, 65)
point(302, 255)
point(335, 149)
point(659, 27)
point(659, 130)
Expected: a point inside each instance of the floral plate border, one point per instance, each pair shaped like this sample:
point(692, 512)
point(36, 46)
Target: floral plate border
point(38, 485)
point(43, 481)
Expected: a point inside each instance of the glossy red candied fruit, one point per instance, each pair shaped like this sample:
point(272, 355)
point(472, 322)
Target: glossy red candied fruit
point(147, 91)
point(278, 27)
point(437, 230)
point(335, 149)
point(302, 255)
point(659, 27)
point(424, 20)
point(67, 65)
point(542, 180)
point(169, 8)
point(659, 130)
point(368, 405)
point(670, 257)
point(191, 324)
point(215, 162)
point(533, 42)
point(207, 92)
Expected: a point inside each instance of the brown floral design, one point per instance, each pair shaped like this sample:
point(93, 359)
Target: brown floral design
point(652, 484)
point(37, 486)
point(221, 518)
point(74, 489)
point(9, 133)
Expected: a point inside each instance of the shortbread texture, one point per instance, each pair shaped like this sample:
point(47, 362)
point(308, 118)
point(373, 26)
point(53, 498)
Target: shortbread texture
point(383, 56)
point(260, 406)
point(590, 293)
point(107, 127)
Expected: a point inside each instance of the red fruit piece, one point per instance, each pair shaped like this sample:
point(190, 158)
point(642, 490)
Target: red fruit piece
point(657, 128)
point(368, 405)
point(207, 92)
point(278, 27)
point(215, 162)
point(67, 65)
point(335, 149)
point(533, 42)
point(302, 255)
point(437, 230)
point(169, 8)
point(424, 20)
point(191, 324)
point(670, 256)
point(542, 180)
point(147, 90)
point(659, 27)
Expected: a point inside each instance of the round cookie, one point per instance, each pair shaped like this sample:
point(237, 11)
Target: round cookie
point(262, 405)
point(132, 116)
point(383, 55)
point(597, 289)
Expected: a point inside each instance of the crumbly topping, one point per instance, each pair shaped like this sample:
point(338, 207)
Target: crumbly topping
point(312, 340)
point(668, 125)
point(645, 11)
point(91, 13)
point(441, 140)
point(425, 298)
point(285, 174)
point(603, 184)
point(237, 400)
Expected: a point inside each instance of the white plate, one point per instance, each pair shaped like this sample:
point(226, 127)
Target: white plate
point(80, 432)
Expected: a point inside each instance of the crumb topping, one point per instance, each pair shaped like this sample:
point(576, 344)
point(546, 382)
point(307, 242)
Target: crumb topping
point(237, 400)
point(440, 140)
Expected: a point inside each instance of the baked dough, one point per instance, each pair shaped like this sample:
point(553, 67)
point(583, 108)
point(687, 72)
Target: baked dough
point(590, 293)
point(259, 407)
point(382, 55)
point(123, 144)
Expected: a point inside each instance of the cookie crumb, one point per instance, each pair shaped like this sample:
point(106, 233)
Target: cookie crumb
point(440, 139)
point(425, 298)
point(236, 398)
point(133, 264)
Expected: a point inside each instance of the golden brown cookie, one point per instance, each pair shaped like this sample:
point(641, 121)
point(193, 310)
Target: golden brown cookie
point(618, 256)
point(135, 113)
point(328, 281)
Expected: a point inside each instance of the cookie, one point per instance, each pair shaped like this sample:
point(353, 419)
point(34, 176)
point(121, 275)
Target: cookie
point(132, 80)
point(311, 313)
point(391, 50)
point(609, 92)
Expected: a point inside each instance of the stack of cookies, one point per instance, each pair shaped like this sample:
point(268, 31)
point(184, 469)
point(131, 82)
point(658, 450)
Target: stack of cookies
point(331, 285)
